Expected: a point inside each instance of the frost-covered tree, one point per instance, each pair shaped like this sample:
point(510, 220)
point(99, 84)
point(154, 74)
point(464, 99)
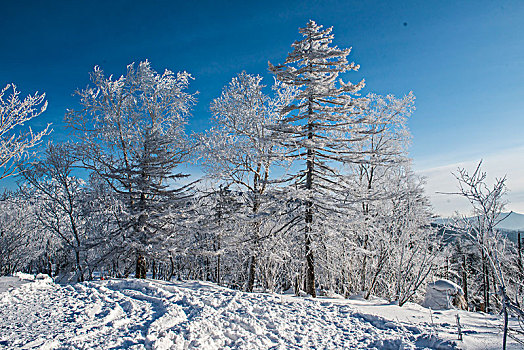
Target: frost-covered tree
point(391, 228)
point(488, 204)
point(104, 212)
point(385, 153)
point(318, 128)
point(241, 150)
point(210, 245)
point(20, 241)
point(132, 136)
point(14, 143)
point(60, 198)
point(410, 241)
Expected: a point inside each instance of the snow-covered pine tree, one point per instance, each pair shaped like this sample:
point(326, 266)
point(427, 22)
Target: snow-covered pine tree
point(318, 128)
point(132, 136)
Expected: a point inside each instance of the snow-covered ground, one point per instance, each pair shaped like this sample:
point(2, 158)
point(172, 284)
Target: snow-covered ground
point(138, 314)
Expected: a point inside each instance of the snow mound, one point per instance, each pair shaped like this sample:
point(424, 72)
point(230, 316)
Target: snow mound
point(144, 314)
point(445, 285)
point(43, 277)
point(442, 295)
point(20, 284)
point(24, 276)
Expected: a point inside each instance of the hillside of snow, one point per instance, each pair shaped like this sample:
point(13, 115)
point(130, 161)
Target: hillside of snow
point(151, 314)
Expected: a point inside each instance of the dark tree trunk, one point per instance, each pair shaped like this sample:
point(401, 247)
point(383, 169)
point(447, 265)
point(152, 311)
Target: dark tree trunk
point(251, 274)
point(218, 270)
point(172, 270)
point(79, 267)
point(485, 276)
point(140, 267)
point(465, 278)
point(310, 263)
point(364, 263)
point(153, 269)
point(505, 310)
point(520, 253)
point(380, 266)
point(256, 234)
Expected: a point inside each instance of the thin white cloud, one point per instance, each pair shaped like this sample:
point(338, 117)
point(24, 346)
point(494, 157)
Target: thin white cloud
point(508, 162)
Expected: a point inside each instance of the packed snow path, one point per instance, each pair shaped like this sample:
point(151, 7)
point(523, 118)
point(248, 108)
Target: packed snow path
point(138, 314)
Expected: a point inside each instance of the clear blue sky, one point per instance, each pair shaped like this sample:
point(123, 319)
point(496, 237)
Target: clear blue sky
point(463, 59)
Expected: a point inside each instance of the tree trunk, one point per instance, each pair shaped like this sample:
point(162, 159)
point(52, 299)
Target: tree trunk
point(505, 336)
point(364, 262)
point(378, 270)
point(79, 266)
point(310, 263)
point(140, 267)
point(521, 269)
point(218, 270)
point(172, 271)
point(485, 287)
point(251, 274)
point(310, 266)
point(465, 278)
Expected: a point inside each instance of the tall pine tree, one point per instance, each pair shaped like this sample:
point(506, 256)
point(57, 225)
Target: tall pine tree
point(319, 130)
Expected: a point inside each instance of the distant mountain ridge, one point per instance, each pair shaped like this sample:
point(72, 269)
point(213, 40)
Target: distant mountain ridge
point(511, 224)
point(511, 221)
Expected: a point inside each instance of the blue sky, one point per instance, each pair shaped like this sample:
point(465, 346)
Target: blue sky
point(462, 59)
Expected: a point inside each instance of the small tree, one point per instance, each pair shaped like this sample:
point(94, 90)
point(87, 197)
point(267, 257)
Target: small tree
point(488, 204)
point(14, 112)
point(60, 198)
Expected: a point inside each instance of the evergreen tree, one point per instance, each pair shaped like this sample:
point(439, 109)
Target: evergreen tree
point(132, 136)
point(319, 128)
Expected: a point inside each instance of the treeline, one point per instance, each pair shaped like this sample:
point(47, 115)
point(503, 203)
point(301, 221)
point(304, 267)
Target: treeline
point(308, 187)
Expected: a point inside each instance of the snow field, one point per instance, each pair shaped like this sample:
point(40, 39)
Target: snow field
point(146, 314)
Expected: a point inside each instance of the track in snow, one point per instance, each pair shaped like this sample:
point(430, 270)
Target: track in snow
point(138, 314)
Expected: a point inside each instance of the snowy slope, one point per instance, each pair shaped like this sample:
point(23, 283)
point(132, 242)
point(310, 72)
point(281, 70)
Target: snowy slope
point(480, 330)
point(161, 315)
